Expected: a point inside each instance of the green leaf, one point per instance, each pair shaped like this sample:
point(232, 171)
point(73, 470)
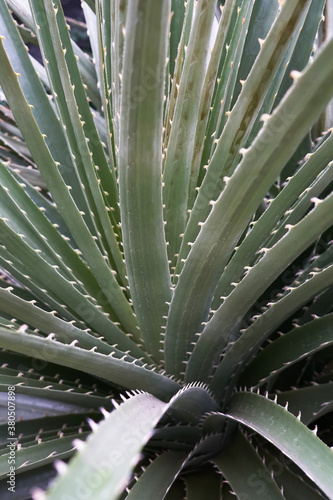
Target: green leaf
point(262, 18)
point(89, 303)
point(242, 467)
point(40, 396)
point(206, 129)
point(118, 371)
point(158, 477)
point(91, 4)
point(290, 348)
point(103, 467)
point(140, 168)
point(105, 171)
point(289, 480)
point(241, 119)
point(172, 437)
point(286, 432)
point(48, 426)
point(43, 112)
point(104, 68)
point(262, 228)
point(85, 145)
point(191, 402)
point(37, 455)
point(176, 26)
point(301, 207)
point(41, 234)
point(231, 213)
point(114, 59)
point(270, 98)
point(304, 46)
point(147, 411)
point(33, 292)
point(39, 403)
point(217, 332)
point(65, 291)
point(48, 323)
point(179, 151)
point(225, 91)
point(46, 206)
point(62, 197)
point(173, 94)
point(248, 344)
point(312, 402)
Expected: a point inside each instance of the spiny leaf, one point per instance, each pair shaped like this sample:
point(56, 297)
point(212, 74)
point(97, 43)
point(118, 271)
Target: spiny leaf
point(140, 168)
point(286, 432)
point(290, 348)
point(177, 168)
point(242, 467)
point(115, 370)
point(230, 215)
point(157, 479)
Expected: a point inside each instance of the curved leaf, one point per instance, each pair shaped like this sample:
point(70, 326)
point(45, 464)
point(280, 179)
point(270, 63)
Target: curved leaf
point(253, 337)
point(157, 479)
point(226, 222)
point(110, 368)
point(61, 194)
point(242, 467)
point(103, 467)
point(312, 402)
point(286, 432)
point(288, 349)
point(217, 332)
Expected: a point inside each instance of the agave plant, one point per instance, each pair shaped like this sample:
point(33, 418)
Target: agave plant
point(166, 268)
